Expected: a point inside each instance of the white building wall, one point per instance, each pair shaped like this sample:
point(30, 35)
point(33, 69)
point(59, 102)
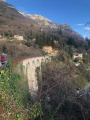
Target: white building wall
point(18, 37)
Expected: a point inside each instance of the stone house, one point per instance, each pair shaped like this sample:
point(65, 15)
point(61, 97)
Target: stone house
point(54, 52)
point(18, 37)
point(77, 55)
point(47, 49)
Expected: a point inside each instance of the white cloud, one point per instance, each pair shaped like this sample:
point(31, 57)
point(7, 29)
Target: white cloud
point(87, 28)
point(80, 24)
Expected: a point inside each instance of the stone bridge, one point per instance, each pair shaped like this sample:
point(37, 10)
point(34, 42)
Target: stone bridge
point(28, 67)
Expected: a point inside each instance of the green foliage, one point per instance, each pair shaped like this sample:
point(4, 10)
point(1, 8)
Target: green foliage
point(59, 82)
point(85, 59)
point(11, 92)
point(9, 84)
point(35, 111)
point(28, 43)
point(44, 39)
point(9, 38)
point(76, 59)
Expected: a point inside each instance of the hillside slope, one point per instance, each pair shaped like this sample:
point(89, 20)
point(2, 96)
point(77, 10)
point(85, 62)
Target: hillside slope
point(11, 21)
point(14, 22)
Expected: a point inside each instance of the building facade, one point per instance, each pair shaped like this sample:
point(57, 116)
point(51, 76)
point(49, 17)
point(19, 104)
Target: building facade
point(77, 55)
point(47, 49)
point(17, 37)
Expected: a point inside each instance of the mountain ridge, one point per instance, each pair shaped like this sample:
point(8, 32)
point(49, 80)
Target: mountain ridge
point(16, 22)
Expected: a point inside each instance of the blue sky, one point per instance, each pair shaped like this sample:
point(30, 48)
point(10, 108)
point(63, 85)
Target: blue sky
point(73, 12)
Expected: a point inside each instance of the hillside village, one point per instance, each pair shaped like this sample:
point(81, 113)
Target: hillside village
point(46, 49)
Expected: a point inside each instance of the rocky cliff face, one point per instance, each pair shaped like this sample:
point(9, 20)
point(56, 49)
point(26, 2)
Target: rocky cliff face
point(42, 21)
point(48, 25)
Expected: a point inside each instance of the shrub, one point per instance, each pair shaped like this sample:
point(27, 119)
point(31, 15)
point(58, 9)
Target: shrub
point(13, 98)
point(76, 59)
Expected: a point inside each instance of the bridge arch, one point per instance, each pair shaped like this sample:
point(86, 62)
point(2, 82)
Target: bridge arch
point(33, 63)
point(38, 61)
point(42, 60)
point(47, 60)
point(29, 67)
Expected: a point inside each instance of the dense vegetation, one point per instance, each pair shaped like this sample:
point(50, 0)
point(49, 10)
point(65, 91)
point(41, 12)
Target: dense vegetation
point(15, 100)
point(58, 90)
point(20, 49)
point(57, 95)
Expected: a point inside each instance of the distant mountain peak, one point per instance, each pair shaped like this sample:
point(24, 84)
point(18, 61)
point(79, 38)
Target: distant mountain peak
point(21, 13)
point(42, 21)
point(38, 17)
